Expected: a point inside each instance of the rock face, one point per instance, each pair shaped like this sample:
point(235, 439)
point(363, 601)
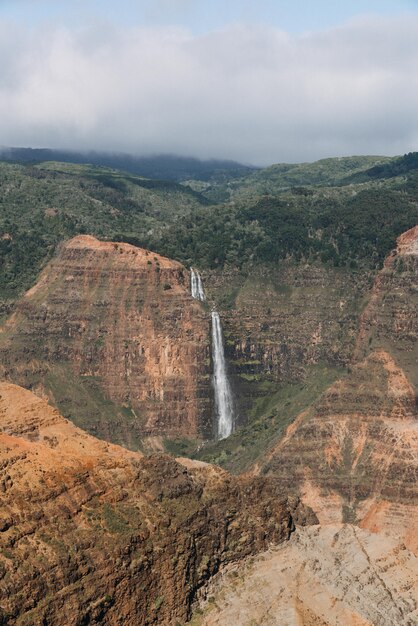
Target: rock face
point(111, 335)
point(279, 322)
point(354, 455)
point(331, 576)
point(92, 533)
point(390, 321)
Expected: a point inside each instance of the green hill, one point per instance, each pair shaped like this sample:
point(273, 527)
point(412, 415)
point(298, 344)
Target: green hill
point(283, 211)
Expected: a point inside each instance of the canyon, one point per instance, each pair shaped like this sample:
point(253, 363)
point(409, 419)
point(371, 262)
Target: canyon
point(112, 335)
point(353, 455)
point(114, 357)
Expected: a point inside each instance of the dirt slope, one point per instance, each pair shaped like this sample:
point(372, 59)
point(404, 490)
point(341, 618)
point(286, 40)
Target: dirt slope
point(330, 576)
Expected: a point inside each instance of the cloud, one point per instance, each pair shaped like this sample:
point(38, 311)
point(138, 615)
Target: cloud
point(255, 94)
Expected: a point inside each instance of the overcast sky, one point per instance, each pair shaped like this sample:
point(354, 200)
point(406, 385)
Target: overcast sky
point(259, 82)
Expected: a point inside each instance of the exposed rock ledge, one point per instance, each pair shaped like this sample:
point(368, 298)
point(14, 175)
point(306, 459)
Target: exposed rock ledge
point(111, 335)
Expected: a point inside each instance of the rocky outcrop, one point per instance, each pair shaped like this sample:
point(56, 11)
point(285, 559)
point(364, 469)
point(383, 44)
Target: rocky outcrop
point(91, 533)
point(111, 335)
point(330, 576)
point(353, 458)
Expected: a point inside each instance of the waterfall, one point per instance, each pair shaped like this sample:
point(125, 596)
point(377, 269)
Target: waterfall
point(223, 393)
point(196, 285)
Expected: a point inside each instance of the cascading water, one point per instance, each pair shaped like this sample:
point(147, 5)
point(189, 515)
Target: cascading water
point(223, 394)
point(196, 285)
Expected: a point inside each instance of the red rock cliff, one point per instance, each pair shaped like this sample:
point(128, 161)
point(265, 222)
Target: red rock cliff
point(354, 455)
point(111, 323)
point(390, 321)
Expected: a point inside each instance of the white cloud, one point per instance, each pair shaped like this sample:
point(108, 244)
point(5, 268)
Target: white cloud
point(253, 94)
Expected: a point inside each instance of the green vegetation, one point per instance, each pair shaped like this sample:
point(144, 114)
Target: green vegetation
point(388, 168)
point(338, 228)
point(269, 418)
point(44, 205)
point(81, 400)
point(158, 602)
point(326, 172)
point(162, 167)
point(344, 214)
point(281, 211)
point(114, 520)
point(180, 447)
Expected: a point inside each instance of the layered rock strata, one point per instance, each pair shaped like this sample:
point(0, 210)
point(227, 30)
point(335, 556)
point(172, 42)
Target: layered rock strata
point(91, 533)
point(353, 456)
point(279, 322)
point(390, 321)
point(114, 328)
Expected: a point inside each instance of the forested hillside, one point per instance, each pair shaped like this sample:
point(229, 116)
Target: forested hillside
point(313, 217)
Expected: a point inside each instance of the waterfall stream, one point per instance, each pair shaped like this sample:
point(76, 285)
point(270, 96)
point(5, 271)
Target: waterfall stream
point(223, 394)
point(196, 285)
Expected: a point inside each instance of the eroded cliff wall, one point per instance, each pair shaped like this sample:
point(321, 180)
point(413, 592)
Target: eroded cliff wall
point(353, 454)
point(327, 576)
point(111, 335)
point(280, 321)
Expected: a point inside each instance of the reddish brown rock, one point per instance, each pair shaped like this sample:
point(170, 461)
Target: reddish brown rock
point(390, 321)
point(111, 334)
point(354, 455)
point(280, 321)
point(91, 533)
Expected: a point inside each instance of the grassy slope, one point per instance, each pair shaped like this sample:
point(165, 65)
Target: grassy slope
point(92, 409)
point(282, 176)
point(269, 419)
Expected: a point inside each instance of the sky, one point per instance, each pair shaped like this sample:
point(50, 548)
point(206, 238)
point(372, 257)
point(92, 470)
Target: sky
point(259, 82)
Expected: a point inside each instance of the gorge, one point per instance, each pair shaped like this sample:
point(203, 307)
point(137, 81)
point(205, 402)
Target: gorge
point(230, 444)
